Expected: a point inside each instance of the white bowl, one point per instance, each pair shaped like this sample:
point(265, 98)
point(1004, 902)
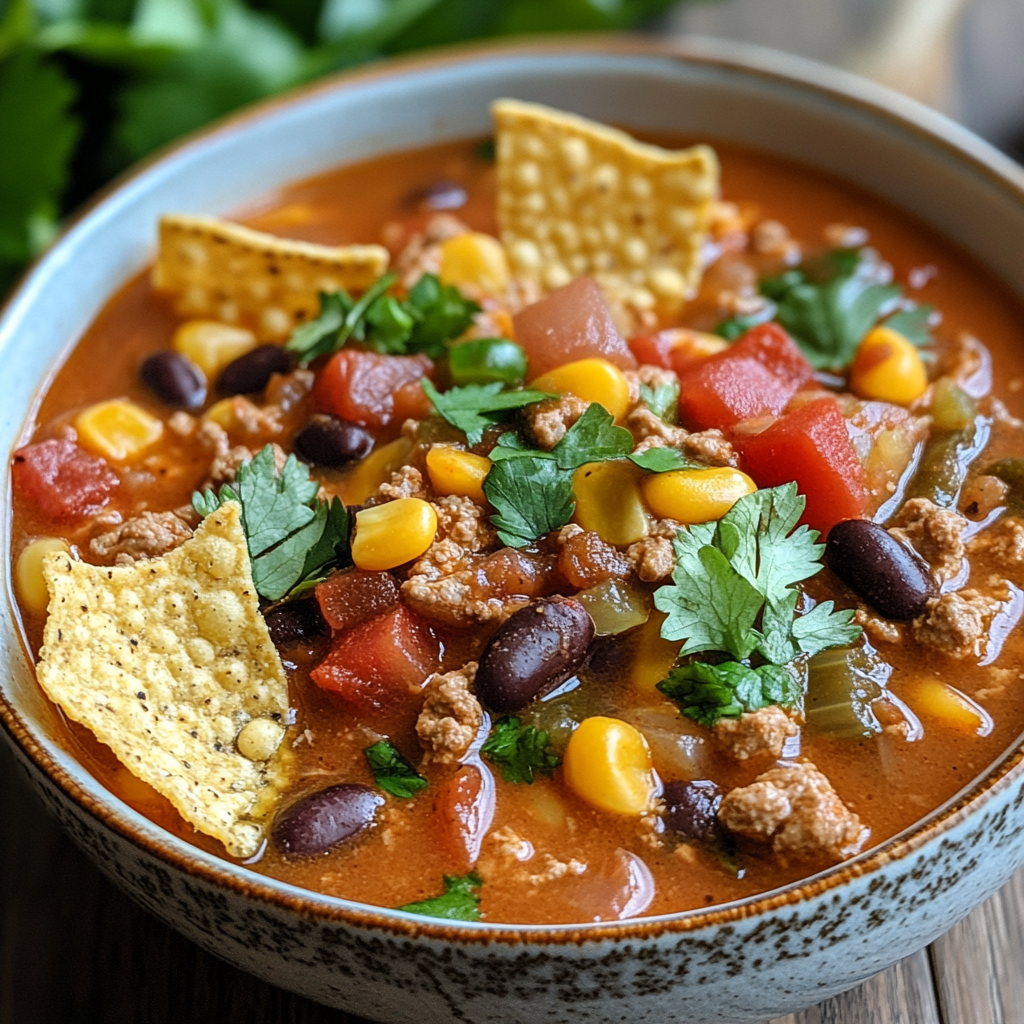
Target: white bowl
point(745, 961)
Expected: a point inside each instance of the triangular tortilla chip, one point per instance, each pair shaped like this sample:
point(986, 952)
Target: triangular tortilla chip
point(164, 661)
point(215, 269)
point(578, 198)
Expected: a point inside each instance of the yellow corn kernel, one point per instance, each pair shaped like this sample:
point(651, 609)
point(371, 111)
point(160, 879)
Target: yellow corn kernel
point(593, 380)
point(695, 495)
point(362, 481)
point(887, 368)
point(935, 699)
point(652, 656)
point(393, 533)
point(117, 429)
point(608, 764)
point(474, 259)
point(609, 501)
point(453, 471)
point(211, 345)
point(29, 584)
point(223, 413)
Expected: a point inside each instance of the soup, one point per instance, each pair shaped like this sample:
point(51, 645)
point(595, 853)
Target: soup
point(532, 680)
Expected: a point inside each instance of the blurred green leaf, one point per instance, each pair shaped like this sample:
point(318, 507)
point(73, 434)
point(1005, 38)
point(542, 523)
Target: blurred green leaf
point(38, 134)
point(16, 26)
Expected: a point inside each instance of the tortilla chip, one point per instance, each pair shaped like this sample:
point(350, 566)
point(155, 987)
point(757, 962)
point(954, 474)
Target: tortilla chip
point(213, 268)
point(578, 198)
point(164, 661)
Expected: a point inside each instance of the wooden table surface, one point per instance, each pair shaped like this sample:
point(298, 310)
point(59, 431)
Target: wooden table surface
point(74, 949)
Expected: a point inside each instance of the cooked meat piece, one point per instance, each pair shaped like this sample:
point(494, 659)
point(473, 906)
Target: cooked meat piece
point(550, 419)
point(798, 810)
point(1004, 542)
point(653, 558)
point(711, 447)
point(645, 424)
point(454, 599)
point(451, 715)
point(287, 390)
point(879, 630)
point(422, 253)
point(755, 733)
point(934, 533)
point(957, 623)
point(146, 536)
point(463, 529)
point(406, 482)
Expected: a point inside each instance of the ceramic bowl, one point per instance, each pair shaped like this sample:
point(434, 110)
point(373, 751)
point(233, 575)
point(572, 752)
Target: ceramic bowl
point(745, 961)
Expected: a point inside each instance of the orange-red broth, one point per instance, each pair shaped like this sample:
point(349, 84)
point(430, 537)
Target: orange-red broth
point(888, 782)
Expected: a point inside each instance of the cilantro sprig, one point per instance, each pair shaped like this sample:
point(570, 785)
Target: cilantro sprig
point(459, 902)
point(392, 772)
point(830, 303)
point(519, 750)
point(473, 408)
point(294, 538)
point(663, 400)
point(733, 593)
point(431, 316)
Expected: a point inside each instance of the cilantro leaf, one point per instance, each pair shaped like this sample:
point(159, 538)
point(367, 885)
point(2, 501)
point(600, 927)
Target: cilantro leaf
point(592, 438)
point(473, 408)
point(460, 901)
point(531, 496)
point(519, 750)
point(913, 323)
point(392, 772)
point(293, 538)
point(441, 313)
point(664, 460)
point(734, 328)
point(829, 315)
point(510, 446)
point(707, 693)
point(663, 400)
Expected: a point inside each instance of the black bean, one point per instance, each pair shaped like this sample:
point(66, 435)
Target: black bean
point(250, 373)
point(537, 648)
point(691, 809)
point(174, 380)
point(296, 620)
point(321, 821)
point(441, 195)
point(880, 570)
point(328, 441)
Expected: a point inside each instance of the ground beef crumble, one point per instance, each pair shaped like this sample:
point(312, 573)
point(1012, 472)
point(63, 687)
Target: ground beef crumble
point(957, 623)
point(653, 558)
point(934, 533)
point(406, 482)
point(798, 810)
point(148, 535)
point(549, 420)
point(755, 733)
point(1004, 542)
point(451, 715)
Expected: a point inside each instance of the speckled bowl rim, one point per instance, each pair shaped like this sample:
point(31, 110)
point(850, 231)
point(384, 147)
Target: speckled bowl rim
point(899, 112)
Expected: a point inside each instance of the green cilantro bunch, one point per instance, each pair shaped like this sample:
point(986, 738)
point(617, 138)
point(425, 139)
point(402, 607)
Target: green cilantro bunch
point(519, 750)
point(733, 596)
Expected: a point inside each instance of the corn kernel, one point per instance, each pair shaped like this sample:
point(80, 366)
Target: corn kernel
point(593, 380)
point(391, 534)
point(257, 740)
point(652, 655)
point(211, 345)
point(608, 764)
point(28, 574)
point(223, 414)
point(887, 368)
point(609, 501)
point(695, 495)
point(117, 429)
point(474, 259)
point(935, 699)
point(362, 481)
point(453, 471)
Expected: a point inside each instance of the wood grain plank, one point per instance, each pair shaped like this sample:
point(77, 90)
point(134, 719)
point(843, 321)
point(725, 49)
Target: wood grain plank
point(977, 963)
point(904, 994)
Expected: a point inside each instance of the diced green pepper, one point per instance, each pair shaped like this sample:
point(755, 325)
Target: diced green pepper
point(841, 684)
point(952, 408)
point(946, 461)
point(486, 360)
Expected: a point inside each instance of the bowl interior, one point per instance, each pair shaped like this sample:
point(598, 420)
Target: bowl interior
point(952, 181)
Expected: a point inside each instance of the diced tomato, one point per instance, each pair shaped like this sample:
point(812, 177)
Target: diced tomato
point(63, 481)
point(364, 387)
point(464, 806)
point(653, 349)
point(756, 376)
point(375, 664)
point(569, 324)
point(348, 598)
point(811, 446)
point(411, 402)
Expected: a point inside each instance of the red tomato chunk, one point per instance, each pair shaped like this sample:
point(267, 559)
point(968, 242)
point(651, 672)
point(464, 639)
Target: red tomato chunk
point(372, 390)
point(348, 598)
point(812, 447)
point(571, 323)
point(757, 376)
point(375, 664)
point(465, 807)
point(62, 480)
